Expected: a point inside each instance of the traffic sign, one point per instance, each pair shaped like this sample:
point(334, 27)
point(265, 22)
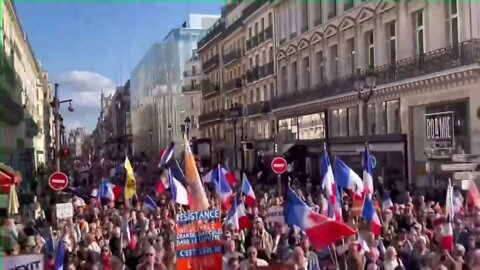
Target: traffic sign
point(279, 165)
point(58, 181)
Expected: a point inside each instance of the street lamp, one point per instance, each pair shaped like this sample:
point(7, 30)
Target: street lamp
point(169, 129)
point(234, 113)
point(56, 116)
point(187, 125)
point(364, 85)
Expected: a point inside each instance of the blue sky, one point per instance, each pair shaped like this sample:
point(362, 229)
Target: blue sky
point(87, 47)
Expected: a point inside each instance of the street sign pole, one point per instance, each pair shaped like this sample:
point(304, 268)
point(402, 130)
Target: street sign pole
point(279, 166)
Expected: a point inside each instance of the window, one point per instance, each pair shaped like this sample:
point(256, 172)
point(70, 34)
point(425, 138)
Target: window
point(270, 55)
point(334, 126)
point(393, 116)
point(250, 33)
point(334, 62)
point(304, 14)
point(343, 122)
point(371, 119)
point(270, 21)
point(264, 93)
point(332, 11)
point(419, 32)
point(262, 24)
point(306, 72)
point(294, 77)
point(318, 12)
point(320, 62)
point(284, 79)
point(194, 70)
point(381, 119)
point(272, 91)
point(351, 54)
point(452, 19)
point(257, 95)
point(353, 121)
point(391, 42)
point(370, 48)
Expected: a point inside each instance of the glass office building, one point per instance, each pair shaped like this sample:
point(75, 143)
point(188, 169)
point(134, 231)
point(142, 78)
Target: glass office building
point(156, 85)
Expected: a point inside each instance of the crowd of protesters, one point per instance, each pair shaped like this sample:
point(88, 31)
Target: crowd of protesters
point(96, 236)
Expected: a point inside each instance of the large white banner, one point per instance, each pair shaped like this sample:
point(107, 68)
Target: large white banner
point(30, 262)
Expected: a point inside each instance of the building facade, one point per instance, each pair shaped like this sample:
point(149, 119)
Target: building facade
point(416, 62)
point(191, 99)
point(75, 140)
point(23, 144)
point(238, 61)
point(156, 86)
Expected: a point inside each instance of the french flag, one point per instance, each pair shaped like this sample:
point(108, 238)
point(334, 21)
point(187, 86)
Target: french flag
point(347, 178)
point(473, 196)
point(247, 190)
point(230, 176)
point(238, 217)
point(149, 204)
point(162, 185)
point(369, 213)
point(223, 189)
point(331, 191)
point(447, 228)
point(60, 258)
point(166, 155)
point(106, 191)
point(178, 190)
point(386, 200)
point(321, 230)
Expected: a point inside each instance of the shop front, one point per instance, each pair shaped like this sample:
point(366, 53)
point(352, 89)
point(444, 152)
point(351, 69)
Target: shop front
point(439, 130)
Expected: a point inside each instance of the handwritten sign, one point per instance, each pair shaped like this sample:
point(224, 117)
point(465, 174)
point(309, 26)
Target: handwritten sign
point(275, 214)
point(64, 210)
point(31, 262)
point(199, 240)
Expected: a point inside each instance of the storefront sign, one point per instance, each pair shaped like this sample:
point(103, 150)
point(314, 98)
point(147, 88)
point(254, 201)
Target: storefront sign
point(439, 127)
point(31, 262)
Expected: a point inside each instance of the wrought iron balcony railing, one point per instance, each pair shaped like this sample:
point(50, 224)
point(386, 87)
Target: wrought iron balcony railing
point(191, 88)
point(262, 107)
point(216, 30)
point(464, 53)
point(253, 74)
point(211, 63)
point(232, 84)
point(190, 73)
point(211, 116)
point(232, 56)
point(209, 88)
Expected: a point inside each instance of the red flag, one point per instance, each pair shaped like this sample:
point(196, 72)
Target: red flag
point(473, 197)
point(447, 236)
point(231, 178)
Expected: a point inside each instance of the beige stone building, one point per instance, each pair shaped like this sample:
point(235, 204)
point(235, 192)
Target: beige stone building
point(23, 143)
point(415, 96)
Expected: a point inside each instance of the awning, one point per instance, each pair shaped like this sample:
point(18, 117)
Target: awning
point(9, 174)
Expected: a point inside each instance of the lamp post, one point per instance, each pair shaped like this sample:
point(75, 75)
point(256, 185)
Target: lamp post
point(235, 112)
point(56, 116)
point(169, 130)
point(364, 85)
point(187, 122)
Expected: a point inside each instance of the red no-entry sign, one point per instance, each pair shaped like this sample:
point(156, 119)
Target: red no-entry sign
point(279, 165)
point(58, 181)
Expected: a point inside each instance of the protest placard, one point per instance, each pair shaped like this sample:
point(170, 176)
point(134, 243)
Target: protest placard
point(199, 243)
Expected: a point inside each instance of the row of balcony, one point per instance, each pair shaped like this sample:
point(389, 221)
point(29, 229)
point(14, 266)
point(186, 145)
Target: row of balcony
point(258, 108)
point(464, 53)
point(260, 38)
point(233, 84)
point(232, 56)
point(191, 73)
point(191, 88)
point(209, 88)
point(211, 63)
point(11, 111)
point(260, 72)
point(215, 31)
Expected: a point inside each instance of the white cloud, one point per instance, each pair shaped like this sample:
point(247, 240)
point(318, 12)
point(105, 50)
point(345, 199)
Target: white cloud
point(84, 87)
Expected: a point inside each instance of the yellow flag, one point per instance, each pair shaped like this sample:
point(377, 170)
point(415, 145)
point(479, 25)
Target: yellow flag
point(198, 200)
point(130, 184)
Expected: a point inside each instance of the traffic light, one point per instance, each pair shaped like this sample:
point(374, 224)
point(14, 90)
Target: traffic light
point(65, 152)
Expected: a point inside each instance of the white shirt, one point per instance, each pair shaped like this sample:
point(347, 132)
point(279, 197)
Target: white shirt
point(245, 264)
